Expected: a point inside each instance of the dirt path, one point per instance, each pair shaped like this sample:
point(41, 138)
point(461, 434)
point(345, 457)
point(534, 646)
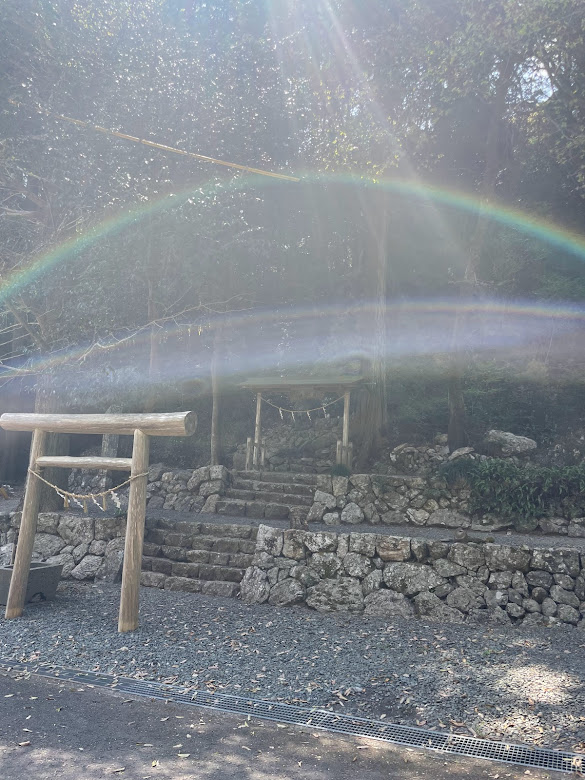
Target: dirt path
point(79, 733)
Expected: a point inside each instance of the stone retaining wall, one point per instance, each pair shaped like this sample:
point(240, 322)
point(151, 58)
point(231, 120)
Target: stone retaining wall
point(361, 498)
point(418, 501)
point(388, 576)
point(186, 556)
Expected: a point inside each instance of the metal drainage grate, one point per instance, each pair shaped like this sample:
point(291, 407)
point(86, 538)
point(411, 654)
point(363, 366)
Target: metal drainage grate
point(318, 719)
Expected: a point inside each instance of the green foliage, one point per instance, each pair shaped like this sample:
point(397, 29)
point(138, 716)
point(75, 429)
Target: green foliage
point(503, 488)
point(340, 470)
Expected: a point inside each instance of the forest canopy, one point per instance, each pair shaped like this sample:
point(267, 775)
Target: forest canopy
point(435, 237)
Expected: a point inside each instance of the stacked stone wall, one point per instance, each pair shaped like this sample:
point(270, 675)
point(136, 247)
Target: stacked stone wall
point(373, 499)
point(388, 576)
point(187, 556)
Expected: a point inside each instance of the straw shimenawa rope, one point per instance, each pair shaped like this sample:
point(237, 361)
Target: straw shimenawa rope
point(301, 411)
point(78, 498)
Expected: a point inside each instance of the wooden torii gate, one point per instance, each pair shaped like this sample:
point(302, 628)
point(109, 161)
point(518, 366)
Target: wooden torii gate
point(308, 387)
point(141, 427)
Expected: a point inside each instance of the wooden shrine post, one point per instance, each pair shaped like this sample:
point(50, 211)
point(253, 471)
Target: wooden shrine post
point(141, 426)
point(128, 617)
point(344, 448)
point(28, 529)
point(257, 432)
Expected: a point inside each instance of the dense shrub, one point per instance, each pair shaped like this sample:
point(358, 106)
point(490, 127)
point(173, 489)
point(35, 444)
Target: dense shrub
point(508, 490)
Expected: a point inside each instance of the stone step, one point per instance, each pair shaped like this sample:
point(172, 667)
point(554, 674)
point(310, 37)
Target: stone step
point(279, 476)
point(274, 487)
point(221, 530)
point(196, 559)
point(269, 498)
point(195, 571)
point(234, 506)
point(228, 588)
point(198, 542)
point(256, 509)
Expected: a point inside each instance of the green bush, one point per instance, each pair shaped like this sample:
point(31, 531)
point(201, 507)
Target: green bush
point(503, 488)
point(340, 470)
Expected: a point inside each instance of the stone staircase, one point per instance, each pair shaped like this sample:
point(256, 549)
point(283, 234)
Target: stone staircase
point(208, 558)
point(272, 495)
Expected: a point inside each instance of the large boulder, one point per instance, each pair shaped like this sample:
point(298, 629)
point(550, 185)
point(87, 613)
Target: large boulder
point(445, 568)
point(198, 477)
point(500, 557)
point(411, 578)
point(6, 554)
point(562, 596)
point(87, 568)
point(449, 518)
point(470, 556)
point(340, 486)
point(321, 541)
point(327, 499)
point(48, 522)
point(387, 604)
point(341, 595)
point(316, 512)
point(393, 548)
point(352, 514)
point(431, 607)
point(357, 565)
point(558, 561)
point(254, 588)
point(464, 599)
point(47, 545)
point(326, 565)
point(76, 530)
point(505, 444)
point(269, 540)
point(288, 591)
point(112, 562)
point(107, 528)
point(294, 544)
point(65, 560)
point(365, 544)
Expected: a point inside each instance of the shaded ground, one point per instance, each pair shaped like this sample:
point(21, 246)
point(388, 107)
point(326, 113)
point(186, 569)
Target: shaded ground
point(53, 730)
point(503, 683)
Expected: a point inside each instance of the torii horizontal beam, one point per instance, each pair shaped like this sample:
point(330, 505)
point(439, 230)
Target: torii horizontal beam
point(173, 424)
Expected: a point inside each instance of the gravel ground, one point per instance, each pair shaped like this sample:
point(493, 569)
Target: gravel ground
point(524, 686)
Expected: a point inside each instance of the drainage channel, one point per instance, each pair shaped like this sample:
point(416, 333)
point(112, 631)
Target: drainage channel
point(409, 736)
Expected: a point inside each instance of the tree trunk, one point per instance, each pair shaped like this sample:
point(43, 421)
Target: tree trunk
point(47, 402)
point(154, 356)
point(216, 439)
point(371, 414)
point(457, 430)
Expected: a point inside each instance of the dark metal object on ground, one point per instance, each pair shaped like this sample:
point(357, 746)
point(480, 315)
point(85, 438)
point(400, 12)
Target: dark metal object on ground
point(42, 582)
